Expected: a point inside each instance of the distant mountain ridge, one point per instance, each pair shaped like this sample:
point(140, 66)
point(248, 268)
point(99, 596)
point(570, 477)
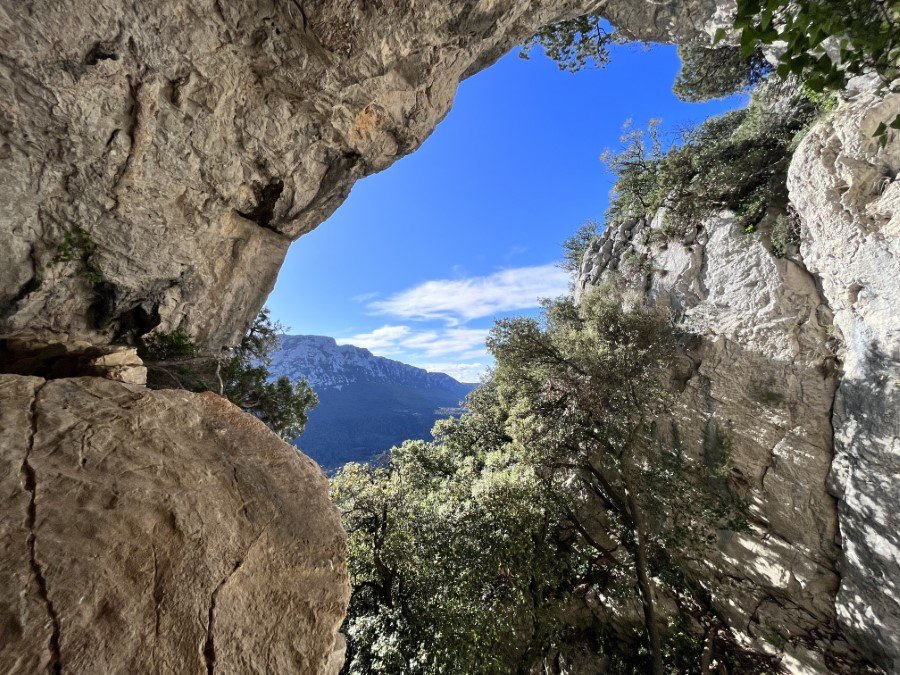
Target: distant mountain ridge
point(324, 363)
point(367, 403)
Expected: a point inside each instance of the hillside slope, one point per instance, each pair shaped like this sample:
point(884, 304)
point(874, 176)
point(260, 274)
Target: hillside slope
point(367, 403)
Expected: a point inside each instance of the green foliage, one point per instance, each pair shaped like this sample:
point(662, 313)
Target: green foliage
point(865, 35)
point(472, 553)
point(284, 406)
point(575, 246)
point(825, 42)
point(447, 559)
point(573, 43)
point(737, 162)
point(78, 246)
point(715, 72)
point(242, 376)
point(169, 346)
point(785, 235)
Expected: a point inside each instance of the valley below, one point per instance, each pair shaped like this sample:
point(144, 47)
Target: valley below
point(367, 404)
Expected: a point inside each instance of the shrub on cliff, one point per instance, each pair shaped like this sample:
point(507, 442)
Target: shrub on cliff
point(241, 375)
point(575, 246)
point(737, 162)
point(824, 42)
point(715, 72)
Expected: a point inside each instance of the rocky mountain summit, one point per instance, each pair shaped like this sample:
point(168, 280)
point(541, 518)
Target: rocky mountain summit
point(367, 403)
point(325, 365)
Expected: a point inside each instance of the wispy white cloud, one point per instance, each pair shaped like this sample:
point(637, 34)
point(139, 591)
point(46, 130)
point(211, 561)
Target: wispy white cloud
point(464, 343)
point(384, 339)
point(456, 301)
point(514, 252)
point(464, 372)
point(447, 341)
point(365, 297)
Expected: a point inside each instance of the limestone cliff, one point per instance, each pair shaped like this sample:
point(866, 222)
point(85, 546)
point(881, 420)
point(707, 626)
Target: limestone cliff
point(794, 368)
point(157, 158)
point(847, 191)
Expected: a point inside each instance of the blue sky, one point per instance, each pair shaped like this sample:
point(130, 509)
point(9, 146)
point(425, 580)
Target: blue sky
point(421, 258)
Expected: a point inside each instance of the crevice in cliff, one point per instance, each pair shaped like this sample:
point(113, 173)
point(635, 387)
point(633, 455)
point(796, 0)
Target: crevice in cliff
point(53, 361)
point(29, 483)
point(101, 51)
point(134, 113)
point(267, 197)
point(303, 16)
point(209, 646)
point(25, 289)
point(158, 592)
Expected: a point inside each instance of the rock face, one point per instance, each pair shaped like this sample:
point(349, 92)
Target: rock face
point(847, 193)
point(157, 158)
point(159, 530)
point(794, 370)
point(756, 383)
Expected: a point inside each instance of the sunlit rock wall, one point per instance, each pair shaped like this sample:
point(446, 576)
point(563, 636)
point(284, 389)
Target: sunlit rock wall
point(845, 187)
point(793, 370)
point(159, 531)
point(157, 158)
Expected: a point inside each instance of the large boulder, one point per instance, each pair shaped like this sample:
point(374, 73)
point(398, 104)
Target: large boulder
point(159, 531)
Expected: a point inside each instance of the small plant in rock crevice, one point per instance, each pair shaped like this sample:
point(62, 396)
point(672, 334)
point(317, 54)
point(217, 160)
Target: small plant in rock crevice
point(785, 235)
point(241, 374)
point(78, 246)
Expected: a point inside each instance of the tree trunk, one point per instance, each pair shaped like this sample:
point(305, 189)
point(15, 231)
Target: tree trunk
point(706, 659)
point(645, 585)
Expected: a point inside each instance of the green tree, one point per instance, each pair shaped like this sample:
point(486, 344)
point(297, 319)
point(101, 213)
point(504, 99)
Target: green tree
point(472, 553)
point(589, 388)
point(575, 246)
point(241, 374)
point(573, 43)
point(825, 42)
point(448, 558)
point(737, 162)
point(715, 72)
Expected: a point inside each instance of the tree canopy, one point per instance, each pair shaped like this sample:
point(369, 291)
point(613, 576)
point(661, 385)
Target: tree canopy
point(554, 503)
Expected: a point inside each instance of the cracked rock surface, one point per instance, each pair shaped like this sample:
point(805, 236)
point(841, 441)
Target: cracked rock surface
point(846, 189)
point(794, 367)
point(756, 382)
point(159, 527)
point(157, 158)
